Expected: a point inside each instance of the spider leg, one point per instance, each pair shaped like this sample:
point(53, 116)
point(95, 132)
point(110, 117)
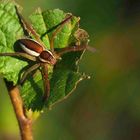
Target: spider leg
point(58, 28)
point(19, 54)
point(70, 49)
point(28, 27)
point(74, 49)
point(28, 71)
point(46, 81)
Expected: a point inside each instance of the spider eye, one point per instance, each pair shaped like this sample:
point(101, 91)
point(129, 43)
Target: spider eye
point(47, 57)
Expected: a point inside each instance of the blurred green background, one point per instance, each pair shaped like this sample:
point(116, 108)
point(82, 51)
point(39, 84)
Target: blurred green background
point(106, 107)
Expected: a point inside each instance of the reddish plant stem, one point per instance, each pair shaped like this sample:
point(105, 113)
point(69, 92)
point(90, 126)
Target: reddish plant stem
point(25, 124)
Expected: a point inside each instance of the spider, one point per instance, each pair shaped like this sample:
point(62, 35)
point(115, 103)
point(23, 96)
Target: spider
point(35, 50)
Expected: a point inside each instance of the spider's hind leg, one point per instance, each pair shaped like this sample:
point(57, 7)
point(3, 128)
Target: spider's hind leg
point(46, 81)
point(28, 29)
point(19, 54)
point(27, 72)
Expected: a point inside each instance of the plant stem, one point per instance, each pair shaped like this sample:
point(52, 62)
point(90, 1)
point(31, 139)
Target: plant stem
point(25, 124)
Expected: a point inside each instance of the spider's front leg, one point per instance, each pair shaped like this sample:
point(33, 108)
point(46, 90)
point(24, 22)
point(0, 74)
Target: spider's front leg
point(74, 49)
point(46, 81)
point(70, 49)
point(58, 28)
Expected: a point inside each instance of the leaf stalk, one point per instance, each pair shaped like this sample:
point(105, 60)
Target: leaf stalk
point(25, 124)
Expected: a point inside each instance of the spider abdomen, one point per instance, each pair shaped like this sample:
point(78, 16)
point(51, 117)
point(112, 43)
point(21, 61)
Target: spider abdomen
point(31, 46)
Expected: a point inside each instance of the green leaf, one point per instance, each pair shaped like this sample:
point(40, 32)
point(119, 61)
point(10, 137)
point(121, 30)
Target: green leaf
point(10, 32)
point(64, 76)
